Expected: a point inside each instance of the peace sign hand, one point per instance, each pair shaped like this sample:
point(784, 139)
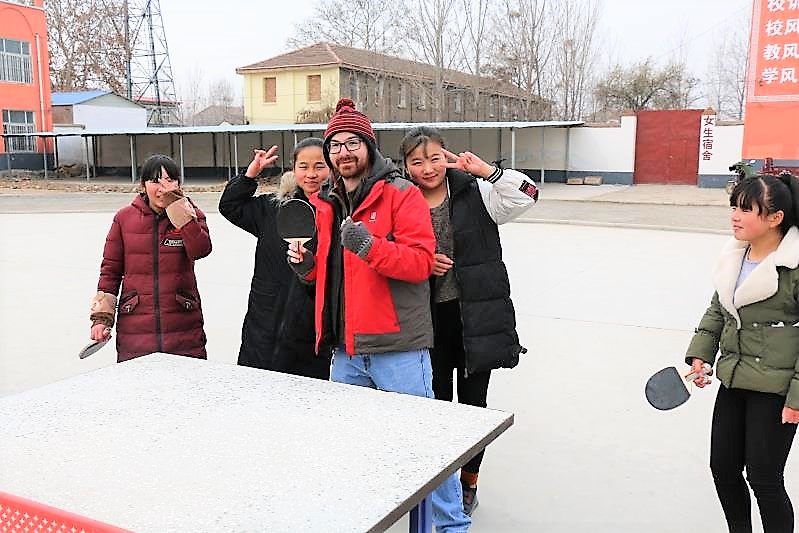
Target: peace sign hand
point(261, 160)
point(468, 162)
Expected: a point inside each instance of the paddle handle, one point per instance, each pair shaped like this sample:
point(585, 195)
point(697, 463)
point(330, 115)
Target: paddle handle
point(693, 375)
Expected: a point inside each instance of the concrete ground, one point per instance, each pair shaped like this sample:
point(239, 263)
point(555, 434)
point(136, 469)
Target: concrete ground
point(600, 307)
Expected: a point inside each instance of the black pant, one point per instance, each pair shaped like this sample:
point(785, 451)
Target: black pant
point(448, 355)
point(748, 432)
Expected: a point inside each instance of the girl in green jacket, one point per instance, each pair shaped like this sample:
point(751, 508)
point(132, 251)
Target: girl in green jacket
point(753, 325)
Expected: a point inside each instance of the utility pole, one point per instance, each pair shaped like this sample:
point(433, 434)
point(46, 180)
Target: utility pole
point(148, 68)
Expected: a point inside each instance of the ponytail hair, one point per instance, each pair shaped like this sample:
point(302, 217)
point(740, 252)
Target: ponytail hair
point(770, 194)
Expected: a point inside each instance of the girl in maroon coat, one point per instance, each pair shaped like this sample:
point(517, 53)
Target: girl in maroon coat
point(150, 251)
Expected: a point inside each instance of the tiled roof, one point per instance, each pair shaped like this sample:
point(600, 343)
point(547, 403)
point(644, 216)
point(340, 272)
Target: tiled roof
point(327, 54)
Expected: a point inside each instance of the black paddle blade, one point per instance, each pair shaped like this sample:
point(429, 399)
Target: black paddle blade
point(91, 348)
point(296, 221)
point(666, 390)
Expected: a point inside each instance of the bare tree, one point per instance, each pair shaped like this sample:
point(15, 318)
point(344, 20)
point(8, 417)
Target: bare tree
point(575, 55)
point(373, 25)
point(522, 51)
point(87, 44)
point(645, 86)
point(477, 16)
point(725, 86)
point(437, 34)
point(192, 96)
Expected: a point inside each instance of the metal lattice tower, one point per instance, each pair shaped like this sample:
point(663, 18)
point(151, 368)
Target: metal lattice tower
point(149, 71)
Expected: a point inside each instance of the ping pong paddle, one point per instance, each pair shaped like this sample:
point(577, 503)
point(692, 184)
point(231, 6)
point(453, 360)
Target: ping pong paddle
point(296, 222)
point(666, 388)
point(93, 346)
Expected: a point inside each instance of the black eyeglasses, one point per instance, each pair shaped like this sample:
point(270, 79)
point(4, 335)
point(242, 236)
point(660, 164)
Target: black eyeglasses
point(351, 145)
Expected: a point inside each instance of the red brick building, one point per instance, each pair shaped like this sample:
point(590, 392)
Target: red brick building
point(24, 82)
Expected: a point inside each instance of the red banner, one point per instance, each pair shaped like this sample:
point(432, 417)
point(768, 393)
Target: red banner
point(772, 82)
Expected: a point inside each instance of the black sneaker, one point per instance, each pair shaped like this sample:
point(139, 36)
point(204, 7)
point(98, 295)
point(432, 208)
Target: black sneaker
point(470, 502)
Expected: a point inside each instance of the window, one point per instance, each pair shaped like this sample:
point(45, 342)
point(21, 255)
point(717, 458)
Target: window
point(19, 122)
point(457, 103)
point(403, 95)
point(379, 87)
point(315, 88)
point(355, 88)
point(15, 61)
point(270, 90)
point(421, 99)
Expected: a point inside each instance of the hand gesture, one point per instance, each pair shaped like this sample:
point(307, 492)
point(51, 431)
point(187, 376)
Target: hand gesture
point(100, 332)
point(260, 160)
point(442, 264)
point(468, 162)
point(300, 259)
point(698, 366)
point(171, 194)
point(790, 416)
point(355, 237)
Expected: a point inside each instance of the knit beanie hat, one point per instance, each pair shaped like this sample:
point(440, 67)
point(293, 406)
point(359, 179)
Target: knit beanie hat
point(347, 118)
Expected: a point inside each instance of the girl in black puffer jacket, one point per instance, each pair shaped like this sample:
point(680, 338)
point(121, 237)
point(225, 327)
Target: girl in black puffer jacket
point(278, 330)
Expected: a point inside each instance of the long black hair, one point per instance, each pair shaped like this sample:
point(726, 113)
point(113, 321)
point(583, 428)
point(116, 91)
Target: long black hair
point(770, 194)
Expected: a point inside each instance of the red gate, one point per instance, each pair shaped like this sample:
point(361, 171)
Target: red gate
point(667, 147)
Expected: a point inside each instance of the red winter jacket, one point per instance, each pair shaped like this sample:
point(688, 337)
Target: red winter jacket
point(387, 295)
point(159, 309)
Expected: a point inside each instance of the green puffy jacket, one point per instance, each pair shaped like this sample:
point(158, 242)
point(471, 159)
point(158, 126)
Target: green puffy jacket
point(756, 327)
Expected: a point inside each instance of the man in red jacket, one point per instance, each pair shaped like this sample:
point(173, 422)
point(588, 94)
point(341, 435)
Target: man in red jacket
point(371, 268)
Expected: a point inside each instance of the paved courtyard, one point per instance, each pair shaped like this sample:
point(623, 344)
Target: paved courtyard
point(599, 308)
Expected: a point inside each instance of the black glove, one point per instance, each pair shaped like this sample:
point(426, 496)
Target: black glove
point(303, 268)
point(355, 237)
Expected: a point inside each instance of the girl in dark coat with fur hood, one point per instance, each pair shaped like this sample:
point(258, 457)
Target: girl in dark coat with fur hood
point(278, 330)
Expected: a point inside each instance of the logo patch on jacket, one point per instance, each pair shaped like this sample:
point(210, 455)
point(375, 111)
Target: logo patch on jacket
point(373, 216)
point(173, 239)
point(529, 189)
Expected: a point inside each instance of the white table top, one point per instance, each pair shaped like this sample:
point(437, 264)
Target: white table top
point(166, 443)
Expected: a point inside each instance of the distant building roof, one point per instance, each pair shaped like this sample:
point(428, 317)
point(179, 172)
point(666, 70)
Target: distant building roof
point(217, 114)
point(78, 97)
point(327, 54)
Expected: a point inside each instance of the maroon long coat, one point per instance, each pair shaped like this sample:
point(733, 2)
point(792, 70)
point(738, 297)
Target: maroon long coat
point(159, 307)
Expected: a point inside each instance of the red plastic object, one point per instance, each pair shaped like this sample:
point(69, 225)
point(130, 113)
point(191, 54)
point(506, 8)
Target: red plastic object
point(20, 515)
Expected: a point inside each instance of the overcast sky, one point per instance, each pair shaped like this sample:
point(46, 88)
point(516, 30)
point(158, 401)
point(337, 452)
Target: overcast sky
point(218, 37)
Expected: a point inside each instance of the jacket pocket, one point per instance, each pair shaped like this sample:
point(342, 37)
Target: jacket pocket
point(186, 300)
point(128, 303)
point(779, 346)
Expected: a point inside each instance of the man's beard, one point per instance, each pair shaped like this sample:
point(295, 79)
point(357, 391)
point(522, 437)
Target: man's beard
point(354, 168)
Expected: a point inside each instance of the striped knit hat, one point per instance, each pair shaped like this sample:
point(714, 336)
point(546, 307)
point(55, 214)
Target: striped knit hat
point(347, 118)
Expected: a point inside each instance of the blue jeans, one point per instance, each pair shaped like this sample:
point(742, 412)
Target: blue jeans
point(405, 373)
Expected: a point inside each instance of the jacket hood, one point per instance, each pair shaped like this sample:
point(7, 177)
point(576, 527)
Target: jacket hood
point(141, 203)
point(762, 282)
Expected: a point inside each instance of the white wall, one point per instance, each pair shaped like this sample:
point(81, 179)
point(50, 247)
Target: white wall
point(107, 117)
point(726, 151)
point(608, 149)
point(71, 149)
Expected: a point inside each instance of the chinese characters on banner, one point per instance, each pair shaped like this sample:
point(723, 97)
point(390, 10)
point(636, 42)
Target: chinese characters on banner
point(774, 56)
point(707, 130)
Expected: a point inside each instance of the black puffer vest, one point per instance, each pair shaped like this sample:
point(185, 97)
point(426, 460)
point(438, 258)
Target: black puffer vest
point(489, 320)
